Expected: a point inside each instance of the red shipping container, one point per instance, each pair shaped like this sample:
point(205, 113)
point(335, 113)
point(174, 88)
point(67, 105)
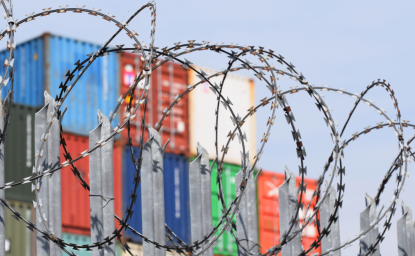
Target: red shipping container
point(269, 223)
point(165, 83)
point(75, 199)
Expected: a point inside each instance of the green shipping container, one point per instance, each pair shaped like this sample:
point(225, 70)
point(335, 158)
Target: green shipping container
point(20, 151)
point(80, 240)
point(20, 241)
point(227, 245)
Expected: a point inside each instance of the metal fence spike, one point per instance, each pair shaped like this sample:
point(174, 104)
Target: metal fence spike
point(200, 197)
point(332, 240)
point(366, 218)
point(287, 202)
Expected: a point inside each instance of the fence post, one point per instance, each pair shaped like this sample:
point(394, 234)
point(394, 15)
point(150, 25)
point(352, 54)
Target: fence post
point(327, 209)
point(2, 194)
point(50, 186)
point(288, 198)
point(200, 197)
point(366, 218)
point(405, 229)
point(101, 185)
point(152, 192)
point(246, 223)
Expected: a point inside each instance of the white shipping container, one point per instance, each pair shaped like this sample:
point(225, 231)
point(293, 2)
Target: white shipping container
point(202, 118)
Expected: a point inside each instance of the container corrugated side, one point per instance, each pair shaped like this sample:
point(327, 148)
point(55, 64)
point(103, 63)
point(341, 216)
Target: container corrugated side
point(19, 239)
point(166, 82)
point(20, 151)
point(202, 118)
point(268, 211)
point(96, 89)
point(176, 195)
point(80, 240)
point(75, 199)
point(227, 244)
point(29, 75)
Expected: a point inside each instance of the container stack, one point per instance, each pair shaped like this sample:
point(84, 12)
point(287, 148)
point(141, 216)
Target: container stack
point(166, 82)
point(43, 64)
point(202, 121)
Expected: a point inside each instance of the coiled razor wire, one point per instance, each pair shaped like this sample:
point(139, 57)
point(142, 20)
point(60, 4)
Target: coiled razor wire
point(151, 58)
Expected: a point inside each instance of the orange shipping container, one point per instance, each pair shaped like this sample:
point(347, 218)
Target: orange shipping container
point(165, 83)
point(268, 211)
point(75, 199)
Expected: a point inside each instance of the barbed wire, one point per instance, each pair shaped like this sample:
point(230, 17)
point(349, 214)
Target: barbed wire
point(151, 58)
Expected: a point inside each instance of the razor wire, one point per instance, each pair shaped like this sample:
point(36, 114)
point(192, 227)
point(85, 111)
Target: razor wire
point(151, 61)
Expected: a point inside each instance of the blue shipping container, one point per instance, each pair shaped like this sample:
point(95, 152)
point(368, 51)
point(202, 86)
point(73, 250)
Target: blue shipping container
point(176, 195)
point(42, 64)
point(29, 73)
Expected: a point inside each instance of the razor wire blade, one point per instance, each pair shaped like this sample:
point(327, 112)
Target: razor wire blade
point(151, 57)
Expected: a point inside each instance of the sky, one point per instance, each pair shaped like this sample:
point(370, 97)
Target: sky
point(345, 44)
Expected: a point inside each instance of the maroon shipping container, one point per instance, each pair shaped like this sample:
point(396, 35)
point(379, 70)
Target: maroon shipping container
point(166, 82)
point(268, 213)
point(75, 199)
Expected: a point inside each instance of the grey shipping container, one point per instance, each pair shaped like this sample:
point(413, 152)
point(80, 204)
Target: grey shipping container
point(42, 64)
point(20, 151)
point(176, 195)
point(20, 241)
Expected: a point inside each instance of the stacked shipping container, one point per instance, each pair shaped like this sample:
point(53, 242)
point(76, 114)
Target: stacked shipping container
point(75, 199)
point(20, 151)
point(202, 118)
point(176, 195)
point(268, 211)
point(42, 64)
point(166, 82)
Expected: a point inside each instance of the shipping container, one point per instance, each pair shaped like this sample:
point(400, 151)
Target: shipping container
point(80, 240)
point(137, 250)
point(202, 118)
point(268, 211)
point(166, 82)
point(42, 64)
point(20, 241)
point(29, 73)
point(227, 244)
point(176, 195)
point(20, 151)
point(75, 199)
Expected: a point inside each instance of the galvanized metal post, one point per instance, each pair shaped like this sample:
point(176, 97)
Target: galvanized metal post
point(366, 219)
point(287, 202)
point(42, 245)
point(242, 227)
point(53, 160)
point(152, 191)
point(327, 208)
point(405, 229)
point(102, 187)
point(2, 194)
point(147, 198)
point(97, 226)
point(107, 183)
point(200, 197)
point(246, 224)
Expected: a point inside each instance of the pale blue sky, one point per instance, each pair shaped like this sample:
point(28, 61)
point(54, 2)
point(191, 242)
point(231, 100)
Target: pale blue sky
point(344, 44)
